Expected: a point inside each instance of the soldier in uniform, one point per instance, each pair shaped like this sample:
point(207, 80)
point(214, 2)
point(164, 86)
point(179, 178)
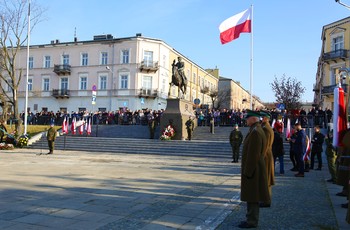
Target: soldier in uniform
point(151, 124)
point(189, 126)
point(331, 157)
point(269, 162)
point(317, 142)
point(346, 151)
point(254, 188)
point(236, 139)
point(51, 137)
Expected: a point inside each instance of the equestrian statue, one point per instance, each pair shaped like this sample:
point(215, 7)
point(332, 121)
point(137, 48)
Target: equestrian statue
point(178, 77)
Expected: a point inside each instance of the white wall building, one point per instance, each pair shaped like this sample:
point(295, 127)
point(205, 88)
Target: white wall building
point(132, 72)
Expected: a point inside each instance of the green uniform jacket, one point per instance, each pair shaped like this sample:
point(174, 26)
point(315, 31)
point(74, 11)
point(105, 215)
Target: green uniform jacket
point(51, 134)
point(254, 186)
point(236, 138)
point(268, 153)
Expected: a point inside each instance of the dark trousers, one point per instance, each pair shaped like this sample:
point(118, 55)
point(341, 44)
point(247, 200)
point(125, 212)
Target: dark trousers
point(300, 162)
point(51, 145)
point(252, 213)
point(319, 159)
point(293, 159)
point(189, 134)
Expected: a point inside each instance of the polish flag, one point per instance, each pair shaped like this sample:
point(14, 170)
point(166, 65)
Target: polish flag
point(288, 134)
point(339, 117)
point(81, 129)
point(73, 125)
point(273, 123)
point(306, 156)
point(88, 130)
point(65, 126)
point(231, 28)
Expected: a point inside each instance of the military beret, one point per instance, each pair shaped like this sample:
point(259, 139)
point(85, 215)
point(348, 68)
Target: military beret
point(264, 113)
point(252, 113)
point(235, 125)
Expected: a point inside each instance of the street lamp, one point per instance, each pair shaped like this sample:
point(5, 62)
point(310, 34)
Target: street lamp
point(343, 4)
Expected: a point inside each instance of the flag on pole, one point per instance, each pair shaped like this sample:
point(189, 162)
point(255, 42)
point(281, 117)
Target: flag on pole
point(73, 125)
point(339, 117)
point(306, 156)
point(231, 28)
point(88, 130)
point(288, 134)
point(65, 126)
point(81, 129)
point(273, 123)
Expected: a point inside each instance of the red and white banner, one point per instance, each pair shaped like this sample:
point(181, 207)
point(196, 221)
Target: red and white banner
point(81, 129)
point(73, 125)
point(231, 28)
point(88, 130)
point(306, 156)
point(339, 117)
point(65, 126)
point(288, 133)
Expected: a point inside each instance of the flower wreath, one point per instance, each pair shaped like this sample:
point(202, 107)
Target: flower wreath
point(168, 133)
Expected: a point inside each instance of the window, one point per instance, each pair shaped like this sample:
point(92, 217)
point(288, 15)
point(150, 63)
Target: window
point(148, 58)
point(124, 81)
point(83, 83)
point(103, 82)
point(147, 84)
point(30, 84)
point(46, 84)
point(47, 62)
point(64, 83)
point(65, 59)
point(84, 59)
point(104, 58)
point(338, 43)
point(163, 85)
point(194, 77)
point(125, 57)
point(31, 62)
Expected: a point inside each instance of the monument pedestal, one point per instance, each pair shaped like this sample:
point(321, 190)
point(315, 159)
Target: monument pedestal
point(177, 112)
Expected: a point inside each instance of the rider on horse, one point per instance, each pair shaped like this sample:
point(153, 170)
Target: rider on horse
point(180, 68)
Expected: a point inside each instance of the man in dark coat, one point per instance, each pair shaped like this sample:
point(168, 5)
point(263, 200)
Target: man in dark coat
point(51, 137)
point(189, 126)
point(299, 145)
point(254, 188)
point(236, 138)
point(317, 142)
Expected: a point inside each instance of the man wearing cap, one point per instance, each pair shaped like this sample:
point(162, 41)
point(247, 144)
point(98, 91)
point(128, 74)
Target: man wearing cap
point(51, 137)
point(299, 145)
point(189, 126)
point(254, 188)
point(269, 162)
point(236, 139)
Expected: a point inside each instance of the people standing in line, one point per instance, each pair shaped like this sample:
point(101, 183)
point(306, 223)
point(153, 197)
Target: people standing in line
point(190, 127)
point(201, 121)
point(270, 169)
point(278, 150)
point(254, 188)
point(278, 126)
point(317, 143)
point(3, 130)
point(151, 124)
point(331, 157)
point(299, 148)
point(51, 137)
point(236, 139)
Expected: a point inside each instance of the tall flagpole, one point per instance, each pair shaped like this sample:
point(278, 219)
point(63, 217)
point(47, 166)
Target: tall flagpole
point(251, 61)
point(26, 85)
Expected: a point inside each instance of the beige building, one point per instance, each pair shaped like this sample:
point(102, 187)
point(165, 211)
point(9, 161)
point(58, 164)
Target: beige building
point(106, 74)
point(233, 96)
point(334, 56)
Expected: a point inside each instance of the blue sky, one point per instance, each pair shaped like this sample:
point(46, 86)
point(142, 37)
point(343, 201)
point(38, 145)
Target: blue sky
point(287, 34)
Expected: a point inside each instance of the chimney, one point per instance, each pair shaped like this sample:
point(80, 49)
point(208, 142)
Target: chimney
point(138, 35)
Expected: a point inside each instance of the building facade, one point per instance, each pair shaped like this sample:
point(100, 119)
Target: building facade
point(106, 74)
point(233, 96)
point(334, 56)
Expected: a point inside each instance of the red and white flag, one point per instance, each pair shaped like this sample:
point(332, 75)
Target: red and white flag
point(65, 126)
point(273, 123)
point(339, 117)
point(73, 125)
point(306, 156)
point(81, 129)
point(288, 134)
point(88, 130)
point(231, 28)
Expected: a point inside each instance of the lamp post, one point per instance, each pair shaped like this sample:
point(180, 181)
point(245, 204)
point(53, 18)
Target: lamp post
point(343, 4)
point(27, 73)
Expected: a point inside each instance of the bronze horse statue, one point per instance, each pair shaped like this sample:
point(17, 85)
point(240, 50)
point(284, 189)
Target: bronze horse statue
point(178, 80)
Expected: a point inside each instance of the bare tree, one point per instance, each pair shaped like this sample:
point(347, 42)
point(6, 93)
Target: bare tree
point(223, 98)
point(288, 91)
point(14, 26)
point(213, 96)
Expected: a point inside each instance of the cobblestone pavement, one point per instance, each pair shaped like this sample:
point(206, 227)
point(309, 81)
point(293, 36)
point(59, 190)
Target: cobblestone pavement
point(89, 190)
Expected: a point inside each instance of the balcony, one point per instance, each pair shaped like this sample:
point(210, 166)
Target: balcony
point(60, 93)
point(334, 55)
point(62, 69)
point(148, 93)
point(329, 90)
point(149, 66)
point(316, 88)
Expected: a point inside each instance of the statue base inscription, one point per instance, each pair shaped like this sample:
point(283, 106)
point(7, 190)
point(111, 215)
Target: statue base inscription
point(177, 112)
